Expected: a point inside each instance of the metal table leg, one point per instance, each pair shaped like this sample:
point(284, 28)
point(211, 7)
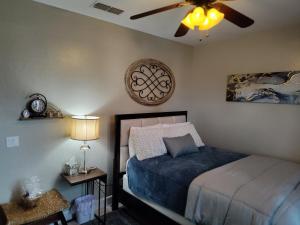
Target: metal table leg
point(104, 217)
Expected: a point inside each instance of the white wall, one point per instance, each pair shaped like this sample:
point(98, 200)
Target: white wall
point(267, 129)
point(79, 63)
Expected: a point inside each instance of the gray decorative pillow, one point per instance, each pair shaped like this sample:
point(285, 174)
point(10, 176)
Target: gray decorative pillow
point(182, 145)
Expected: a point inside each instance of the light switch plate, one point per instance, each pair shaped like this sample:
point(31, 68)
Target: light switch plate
point(12, 142)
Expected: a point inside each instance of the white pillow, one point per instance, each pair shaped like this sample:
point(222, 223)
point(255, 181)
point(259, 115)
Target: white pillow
point(181, 129)
point(175, 124)
point(146, 142)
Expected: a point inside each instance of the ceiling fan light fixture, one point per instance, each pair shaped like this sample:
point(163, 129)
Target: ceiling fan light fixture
point(197, 18)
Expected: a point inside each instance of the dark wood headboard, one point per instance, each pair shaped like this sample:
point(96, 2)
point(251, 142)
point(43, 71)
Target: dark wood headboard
point(117, 174)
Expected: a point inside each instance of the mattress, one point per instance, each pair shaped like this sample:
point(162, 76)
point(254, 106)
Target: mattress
point(172, 215)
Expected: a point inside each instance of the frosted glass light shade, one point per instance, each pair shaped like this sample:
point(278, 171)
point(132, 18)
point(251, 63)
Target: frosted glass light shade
point(85, 128)
point(187, 21)
point(198, 16)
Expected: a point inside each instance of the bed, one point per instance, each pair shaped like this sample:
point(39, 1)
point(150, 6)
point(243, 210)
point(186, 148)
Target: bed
point(225, 188)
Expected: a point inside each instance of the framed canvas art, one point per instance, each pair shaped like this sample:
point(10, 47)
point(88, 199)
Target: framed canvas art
point(277, 88)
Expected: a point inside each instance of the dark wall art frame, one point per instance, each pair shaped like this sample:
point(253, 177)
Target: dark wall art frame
point(149, 82)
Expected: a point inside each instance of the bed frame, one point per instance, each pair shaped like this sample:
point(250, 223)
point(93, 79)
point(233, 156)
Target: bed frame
point(145, 212)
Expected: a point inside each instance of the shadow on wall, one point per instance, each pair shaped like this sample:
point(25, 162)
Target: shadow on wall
point(17, 191)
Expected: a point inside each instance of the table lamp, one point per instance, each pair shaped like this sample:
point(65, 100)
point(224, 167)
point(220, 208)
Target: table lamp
point(85, 128)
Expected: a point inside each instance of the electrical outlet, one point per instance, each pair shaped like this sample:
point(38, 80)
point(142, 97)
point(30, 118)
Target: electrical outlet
point(12, 142)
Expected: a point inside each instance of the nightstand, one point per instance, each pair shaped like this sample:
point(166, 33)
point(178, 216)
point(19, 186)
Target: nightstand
point(97, 177)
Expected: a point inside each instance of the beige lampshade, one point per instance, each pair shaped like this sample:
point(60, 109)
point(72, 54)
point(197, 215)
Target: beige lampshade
point(85, 128)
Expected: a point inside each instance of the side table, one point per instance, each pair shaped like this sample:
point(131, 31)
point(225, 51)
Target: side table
point(48, 210)
point(97, 177)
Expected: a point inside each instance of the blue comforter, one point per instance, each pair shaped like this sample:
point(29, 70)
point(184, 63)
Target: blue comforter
point(165, 180)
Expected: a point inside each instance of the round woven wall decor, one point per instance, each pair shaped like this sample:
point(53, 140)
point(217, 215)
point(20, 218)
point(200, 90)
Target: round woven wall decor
point(149, 82)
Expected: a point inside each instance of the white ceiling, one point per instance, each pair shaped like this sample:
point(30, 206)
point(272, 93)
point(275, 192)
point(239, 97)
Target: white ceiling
point(268, 14)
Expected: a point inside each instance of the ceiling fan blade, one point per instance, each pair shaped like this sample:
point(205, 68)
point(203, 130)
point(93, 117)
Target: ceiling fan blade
point(182, 30)
point(234, 16)
point(159, 10)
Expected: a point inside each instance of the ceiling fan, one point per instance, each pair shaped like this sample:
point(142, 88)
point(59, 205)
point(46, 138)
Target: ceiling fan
point(205, 15)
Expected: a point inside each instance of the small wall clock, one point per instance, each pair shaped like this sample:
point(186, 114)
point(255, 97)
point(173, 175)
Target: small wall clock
point(37, 105)
point(149, 82)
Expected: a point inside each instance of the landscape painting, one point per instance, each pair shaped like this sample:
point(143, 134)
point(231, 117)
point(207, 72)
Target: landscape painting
point(277, 88)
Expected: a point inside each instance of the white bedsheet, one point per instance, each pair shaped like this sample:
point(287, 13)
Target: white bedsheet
point(252, 191)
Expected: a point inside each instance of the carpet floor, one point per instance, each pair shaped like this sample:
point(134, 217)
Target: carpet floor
point(119, 217)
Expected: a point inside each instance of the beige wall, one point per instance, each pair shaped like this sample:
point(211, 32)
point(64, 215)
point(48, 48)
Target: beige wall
point(267, 129)
point(79, 64)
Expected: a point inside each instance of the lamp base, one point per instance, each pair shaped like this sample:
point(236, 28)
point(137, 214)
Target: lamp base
point(87, 170)
point(83, 171)
point(84, 148)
